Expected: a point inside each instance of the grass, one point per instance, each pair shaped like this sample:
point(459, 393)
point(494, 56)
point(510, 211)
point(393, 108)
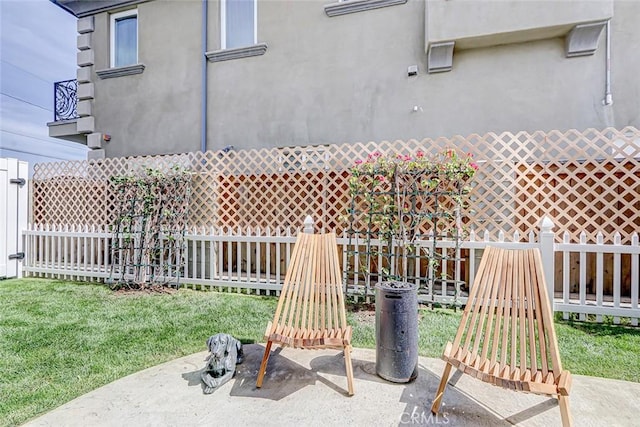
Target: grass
point(600, 350)
point(59, 340)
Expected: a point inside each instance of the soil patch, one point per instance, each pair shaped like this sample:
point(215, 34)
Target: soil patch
point(146, 290)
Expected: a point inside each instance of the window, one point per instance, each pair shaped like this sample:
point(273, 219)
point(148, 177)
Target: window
point(238, 36)
point(239, 26)
point(124, 38)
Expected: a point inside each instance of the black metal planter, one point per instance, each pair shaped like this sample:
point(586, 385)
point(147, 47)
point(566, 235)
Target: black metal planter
point(397, 331)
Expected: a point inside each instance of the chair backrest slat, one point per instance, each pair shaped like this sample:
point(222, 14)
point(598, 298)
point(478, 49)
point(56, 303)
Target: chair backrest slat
point(513, 284)
point(508, 314)
point(306, 288)
point(531, 323)
point(300, 271)
point(332, 316)
point(287, 288)
point(311, 297)
point(500, 316)
point(522, 312)
point(491, 308)
point(547, 315)
point(335, 278)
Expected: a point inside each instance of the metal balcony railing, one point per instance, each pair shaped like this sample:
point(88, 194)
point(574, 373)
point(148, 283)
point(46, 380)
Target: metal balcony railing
point(65, 100)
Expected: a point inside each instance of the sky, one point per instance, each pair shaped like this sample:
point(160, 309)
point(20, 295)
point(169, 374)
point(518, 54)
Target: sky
point(37, 48)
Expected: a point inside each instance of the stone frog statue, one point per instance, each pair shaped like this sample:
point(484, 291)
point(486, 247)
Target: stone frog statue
point(226, 352)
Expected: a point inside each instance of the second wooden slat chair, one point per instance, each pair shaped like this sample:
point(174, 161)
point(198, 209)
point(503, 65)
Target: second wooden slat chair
point(311, 312)
point(506, 335)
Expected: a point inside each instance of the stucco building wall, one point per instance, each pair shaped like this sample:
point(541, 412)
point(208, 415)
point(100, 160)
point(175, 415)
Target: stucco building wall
point(157, 111)
point(341, 79)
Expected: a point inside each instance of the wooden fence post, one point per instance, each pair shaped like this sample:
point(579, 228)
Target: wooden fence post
point(547, 250)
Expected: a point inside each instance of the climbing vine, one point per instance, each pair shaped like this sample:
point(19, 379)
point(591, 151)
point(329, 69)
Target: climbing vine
point(400, 202)
point(147, 245)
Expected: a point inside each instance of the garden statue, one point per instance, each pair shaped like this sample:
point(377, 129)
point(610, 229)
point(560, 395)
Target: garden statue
point(226, 353)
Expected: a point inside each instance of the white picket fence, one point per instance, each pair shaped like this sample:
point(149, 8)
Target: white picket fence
point(14, 195)
point(598, 302)
point(255, 261)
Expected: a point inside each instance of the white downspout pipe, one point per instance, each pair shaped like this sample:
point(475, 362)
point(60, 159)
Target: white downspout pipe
point(203, 119)
point(608, 97)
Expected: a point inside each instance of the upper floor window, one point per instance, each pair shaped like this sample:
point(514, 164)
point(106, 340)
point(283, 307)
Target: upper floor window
point(239, 26)
point(124, 38)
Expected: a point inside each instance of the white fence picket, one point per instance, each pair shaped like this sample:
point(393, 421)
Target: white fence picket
point(613, 305)
point(565, 275)
point(635, 277)
point(599, 276)
point(583, 275)
point(617, 271)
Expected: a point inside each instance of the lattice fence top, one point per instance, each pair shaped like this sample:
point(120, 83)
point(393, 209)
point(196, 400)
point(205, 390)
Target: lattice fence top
point(583, 180)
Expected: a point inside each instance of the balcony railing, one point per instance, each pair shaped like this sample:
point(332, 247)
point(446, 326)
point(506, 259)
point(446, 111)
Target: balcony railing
point(65, 100)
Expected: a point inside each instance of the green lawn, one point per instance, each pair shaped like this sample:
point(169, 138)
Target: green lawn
point(60, 339)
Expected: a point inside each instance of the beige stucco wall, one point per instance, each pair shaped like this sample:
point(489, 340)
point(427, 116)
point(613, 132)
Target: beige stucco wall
point(157, 111)
point(344, 79)
point(473, 23)
point(625, 39)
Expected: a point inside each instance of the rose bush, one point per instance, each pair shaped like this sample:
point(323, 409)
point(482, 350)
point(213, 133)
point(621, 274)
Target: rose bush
point(400, 199)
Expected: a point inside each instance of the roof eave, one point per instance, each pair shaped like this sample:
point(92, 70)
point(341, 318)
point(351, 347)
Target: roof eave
point(80, 9)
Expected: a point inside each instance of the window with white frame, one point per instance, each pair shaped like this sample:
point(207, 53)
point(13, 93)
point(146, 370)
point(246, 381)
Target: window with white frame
point(124, 38)
point(239, 23)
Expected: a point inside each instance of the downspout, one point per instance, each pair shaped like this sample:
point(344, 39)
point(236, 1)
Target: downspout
point(608, 98)
point(203, 121)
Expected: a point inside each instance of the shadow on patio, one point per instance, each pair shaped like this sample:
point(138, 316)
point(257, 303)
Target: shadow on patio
point(306, 387)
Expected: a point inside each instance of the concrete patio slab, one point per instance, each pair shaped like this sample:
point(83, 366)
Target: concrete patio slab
point(308, 388)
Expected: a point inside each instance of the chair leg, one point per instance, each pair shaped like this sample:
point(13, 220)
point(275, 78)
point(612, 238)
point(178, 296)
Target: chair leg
point(565, 413)
point(435, 406)
point(349, 368)
point(263, 365)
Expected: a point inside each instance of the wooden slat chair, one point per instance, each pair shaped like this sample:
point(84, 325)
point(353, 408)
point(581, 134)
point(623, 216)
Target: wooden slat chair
point(506, 336)
point(310, 312)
